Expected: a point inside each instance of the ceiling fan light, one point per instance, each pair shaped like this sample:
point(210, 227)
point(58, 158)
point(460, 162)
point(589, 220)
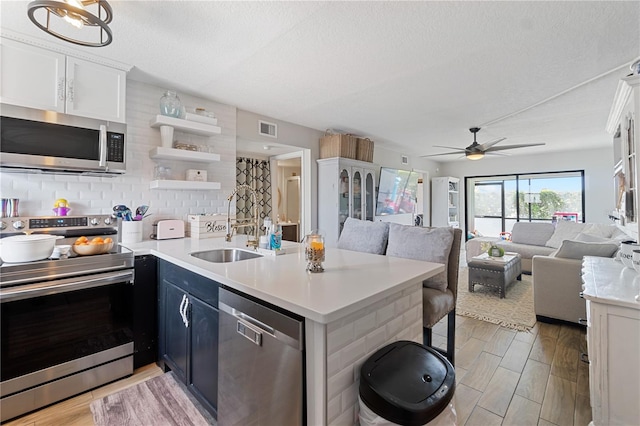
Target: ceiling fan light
point(475, 155)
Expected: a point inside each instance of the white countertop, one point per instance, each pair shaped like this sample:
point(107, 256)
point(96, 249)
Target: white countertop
point(351, 280)
point(609, 281)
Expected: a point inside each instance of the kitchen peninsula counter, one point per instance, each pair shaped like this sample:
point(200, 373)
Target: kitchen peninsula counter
point(360, 303)
point(351, 280)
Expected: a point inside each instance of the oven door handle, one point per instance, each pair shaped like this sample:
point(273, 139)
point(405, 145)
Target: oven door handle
point(62, 286)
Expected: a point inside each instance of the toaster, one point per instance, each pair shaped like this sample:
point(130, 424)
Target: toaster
point(168, 229)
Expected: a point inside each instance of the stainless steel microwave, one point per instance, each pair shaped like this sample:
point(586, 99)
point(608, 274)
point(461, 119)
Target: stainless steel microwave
point(36, 141)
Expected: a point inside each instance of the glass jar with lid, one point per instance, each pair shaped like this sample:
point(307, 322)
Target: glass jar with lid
point(170, 104)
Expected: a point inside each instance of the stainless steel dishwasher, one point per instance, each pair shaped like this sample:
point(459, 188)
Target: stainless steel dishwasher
point(260, 368)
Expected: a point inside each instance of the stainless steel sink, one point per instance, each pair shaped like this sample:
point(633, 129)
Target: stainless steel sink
point(225, 255)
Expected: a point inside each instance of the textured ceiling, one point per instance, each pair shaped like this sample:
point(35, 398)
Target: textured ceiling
point(409, 75)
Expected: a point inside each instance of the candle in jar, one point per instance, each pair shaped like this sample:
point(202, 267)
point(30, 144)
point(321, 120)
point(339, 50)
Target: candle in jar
point(317, 245)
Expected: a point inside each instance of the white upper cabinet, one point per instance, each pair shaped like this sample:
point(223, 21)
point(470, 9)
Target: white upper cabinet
point(32, 77)
point(95, 91)
point(43, 79)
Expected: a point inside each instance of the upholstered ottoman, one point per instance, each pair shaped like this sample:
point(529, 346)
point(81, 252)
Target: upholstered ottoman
point(495, 272)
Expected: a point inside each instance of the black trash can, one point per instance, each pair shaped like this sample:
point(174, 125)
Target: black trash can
point(407, 383)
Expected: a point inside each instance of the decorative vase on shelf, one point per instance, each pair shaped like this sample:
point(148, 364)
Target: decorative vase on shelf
point(170, 104)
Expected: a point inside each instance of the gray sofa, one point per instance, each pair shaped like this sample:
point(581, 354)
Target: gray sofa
point(527, 238)
point(553, 254)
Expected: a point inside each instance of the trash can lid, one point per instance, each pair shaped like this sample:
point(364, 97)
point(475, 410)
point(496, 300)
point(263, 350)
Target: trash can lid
point(407, 383)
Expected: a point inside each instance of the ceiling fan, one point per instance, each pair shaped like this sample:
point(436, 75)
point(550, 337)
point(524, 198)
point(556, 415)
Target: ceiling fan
point(476, 151)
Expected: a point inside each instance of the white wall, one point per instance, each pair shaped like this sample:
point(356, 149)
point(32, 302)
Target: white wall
point(597, 165)
point(291, 135)
point(94, 195)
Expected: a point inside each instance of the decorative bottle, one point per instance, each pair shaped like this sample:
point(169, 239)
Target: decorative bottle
point(275, 239)
point(170, 104)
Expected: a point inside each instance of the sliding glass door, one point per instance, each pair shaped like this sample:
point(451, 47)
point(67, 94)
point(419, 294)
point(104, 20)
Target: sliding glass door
point(496, 203)
point(489, 207)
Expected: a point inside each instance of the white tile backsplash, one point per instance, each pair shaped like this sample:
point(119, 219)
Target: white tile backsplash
point(350, 342)
point(97, 195)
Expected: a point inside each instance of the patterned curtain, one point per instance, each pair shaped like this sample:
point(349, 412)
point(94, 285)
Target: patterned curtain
point(257, 174)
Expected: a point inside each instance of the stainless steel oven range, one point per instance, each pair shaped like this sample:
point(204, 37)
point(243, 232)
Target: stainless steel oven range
point(66, 323)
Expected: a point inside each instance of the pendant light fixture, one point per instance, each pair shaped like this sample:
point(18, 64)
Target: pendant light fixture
point(73, 20)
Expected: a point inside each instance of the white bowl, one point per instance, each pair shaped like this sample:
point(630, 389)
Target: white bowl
point(626, 252)
point(27, 248)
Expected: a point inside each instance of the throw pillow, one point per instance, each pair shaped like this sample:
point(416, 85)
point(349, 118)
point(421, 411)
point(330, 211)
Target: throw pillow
point(589, 238)
point(431, 245)
point(565, 230)
point(571, 249)
point(534, 233)
point(364, 236)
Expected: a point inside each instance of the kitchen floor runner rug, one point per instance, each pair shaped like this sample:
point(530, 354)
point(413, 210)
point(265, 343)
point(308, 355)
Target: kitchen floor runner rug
point(515, 311)
point(158, 401)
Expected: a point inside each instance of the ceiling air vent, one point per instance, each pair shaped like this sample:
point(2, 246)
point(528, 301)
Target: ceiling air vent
point(267, 129)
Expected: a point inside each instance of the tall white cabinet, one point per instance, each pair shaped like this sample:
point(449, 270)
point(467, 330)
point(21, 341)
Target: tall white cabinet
point(445, 202)
point(624, 124)
point(346, 188)
point(613, 340)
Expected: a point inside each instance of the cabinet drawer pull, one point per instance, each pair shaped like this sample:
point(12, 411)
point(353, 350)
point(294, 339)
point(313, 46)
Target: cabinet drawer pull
point(70, 94)
point(582, 321)
point(61, 89)
point(584, 358)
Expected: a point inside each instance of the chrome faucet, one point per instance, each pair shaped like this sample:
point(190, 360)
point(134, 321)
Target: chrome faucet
point(244, 222)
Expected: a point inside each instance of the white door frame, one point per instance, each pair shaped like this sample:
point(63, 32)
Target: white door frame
point(426, 197)
point(305, 185)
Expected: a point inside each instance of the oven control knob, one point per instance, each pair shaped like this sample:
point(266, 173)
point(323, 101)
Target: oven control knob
point(3, 226)
point(107, 221)
point(94, 222)
point(18, 224)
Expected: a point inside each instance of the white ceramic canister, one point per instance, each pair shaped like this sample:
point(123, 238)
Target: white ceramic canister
point(131, 232)
point(626, 252)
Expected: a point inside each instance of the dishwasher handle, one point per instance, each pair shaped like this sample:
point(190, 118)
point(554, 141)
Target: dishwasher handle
point(248, 331)
point(257, 322)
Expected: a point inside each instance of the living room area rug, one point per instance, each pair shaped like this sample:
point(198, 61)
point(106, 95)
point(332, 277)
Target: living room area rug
point(515, 311)
point(158, 401)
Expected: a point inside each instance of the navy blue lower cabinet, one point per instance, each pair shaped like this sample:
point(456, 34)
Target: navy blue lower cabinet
point(203, 377)
point(145, 315)
point(176, 330)
point(188, 330)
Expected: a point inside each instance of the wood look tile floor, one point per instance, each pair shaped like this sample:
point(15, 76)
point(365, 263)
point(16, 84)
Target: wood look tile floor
point(503, 377)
